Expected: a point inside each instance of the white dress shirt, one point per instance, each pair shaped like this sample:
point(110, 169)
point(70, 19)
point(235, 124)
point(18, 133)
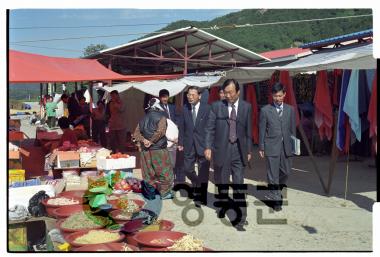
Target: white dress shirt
point(196, 108)
point(166, 106)
point(230, 107)
point(278, 107)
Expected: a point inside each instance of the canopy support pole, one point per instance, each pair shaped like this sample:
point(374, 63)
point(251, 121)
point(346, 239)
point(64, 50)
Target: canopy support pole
point(186, 56)
point(306, 141)
point(334, 154)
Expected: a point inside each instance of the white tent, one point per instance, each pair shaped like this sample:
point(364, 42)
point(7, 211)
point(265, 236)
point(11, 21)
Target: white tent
point(174, 87)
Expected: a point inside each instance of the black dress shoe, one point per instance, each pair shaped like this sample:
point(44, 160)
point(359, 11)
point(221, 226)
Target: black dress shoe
point(221, 214)
point(240, 227)
point(198, 205)
point(277, 208)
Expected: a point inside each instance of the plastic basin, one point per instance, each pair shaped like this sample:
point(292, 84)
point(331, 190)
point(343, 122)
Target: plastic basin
point(68, 210)
point(70, 238)
point(146, 239)
point(50, 207)
point(110, 247)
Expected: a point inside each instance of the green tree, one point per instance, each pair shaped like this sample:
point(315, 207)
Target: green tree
point(92, 49)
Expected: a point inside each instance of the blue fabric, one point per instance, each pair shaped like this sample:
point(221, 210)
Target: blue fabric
point(351, 104)
point(205, 95)
point(341, 130)
point(364, 98)
point(370, 75)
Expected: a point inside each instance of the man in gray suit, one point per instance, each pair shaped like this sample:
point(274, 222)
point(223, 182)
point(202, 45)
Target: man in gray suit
point(229, 142)
point(277, 125)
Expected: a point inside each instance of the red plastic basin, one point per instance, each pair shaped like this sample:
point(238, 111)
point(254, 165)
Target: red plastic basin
point(73, 193)
point(70, 238)
point(68, 210)
point(145, 239)
point(110, 247)
point(50, 207)
point(68, 230)
point(140, 203)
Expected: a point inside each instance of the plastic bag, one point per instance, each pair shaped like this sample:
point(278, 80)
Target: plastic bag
point(148, 191)
point(36, 208)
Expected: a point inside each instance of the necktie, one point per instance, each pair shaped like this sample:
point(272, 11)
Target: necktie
point(232, 134)
point(194, 115)
point(167, 110)
point(280, 112)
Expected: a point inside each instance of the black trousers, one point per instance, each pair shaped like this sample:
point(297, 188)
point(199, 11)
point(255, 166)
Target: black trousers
point(199, 181)
point(278, 169)
point(51, 121)
point(233, 165)
point(99, 132)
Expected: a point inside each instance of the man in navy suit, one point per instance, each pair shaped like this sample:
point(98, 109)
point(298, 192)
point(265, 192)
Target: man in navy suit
point(229, 142)
point(192, 142)
point(169, 109)
point(170, 113)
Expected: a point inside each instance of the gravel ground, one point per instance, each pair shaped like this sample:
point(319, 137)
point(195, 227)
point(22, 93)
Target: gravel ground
point(313, 220)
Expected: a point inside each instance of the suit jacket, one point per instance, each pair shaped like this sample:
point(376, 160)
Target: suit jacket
point(274, 130)
point(172, 111)
point(189, 134)
point(217, 132)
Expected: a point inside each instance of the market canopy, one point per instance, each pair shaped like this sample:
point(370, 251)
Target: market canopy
point(35, 68)
point(357, 56)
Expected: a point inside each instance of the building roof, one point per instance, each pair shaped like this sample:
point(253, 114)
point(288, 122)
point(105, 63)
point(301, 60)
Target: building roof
point(202, 48)
point(286, 52)
point(339, 39)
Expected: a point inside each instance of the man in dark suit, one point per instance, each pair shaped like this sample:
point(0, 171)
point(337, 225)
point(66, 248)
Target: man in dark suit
point(277, 125)
point(169, 109)
point(175, 156)
point(229, 143)
point(192, 142)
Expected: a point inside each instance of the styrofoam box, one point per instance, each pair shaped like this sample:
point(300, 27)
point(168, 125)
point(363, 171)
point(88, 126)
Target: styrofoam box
point(114, 164)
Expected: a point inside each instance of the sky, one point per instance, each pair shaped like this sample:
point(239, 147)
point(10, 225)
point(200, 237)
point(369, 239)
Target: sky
point(20, 21)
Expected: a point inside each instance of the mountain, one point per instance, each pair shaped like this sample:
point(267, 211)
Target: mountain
point(23, 91)
point(270, 37)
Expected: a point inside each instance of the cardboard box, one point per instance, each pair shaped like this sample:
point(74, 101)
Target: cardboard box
point(14, 155)
point(116, 164)
point(67, 159)
point(88, 160)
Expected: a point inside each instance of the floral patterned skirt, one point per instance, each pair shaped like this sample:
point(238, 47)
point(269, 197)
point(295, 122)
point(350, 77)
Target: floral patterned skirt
point(157, 170)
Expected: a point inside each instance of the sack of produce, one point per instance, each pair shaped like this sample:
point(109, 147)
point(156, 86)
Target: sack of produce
point(36, 208)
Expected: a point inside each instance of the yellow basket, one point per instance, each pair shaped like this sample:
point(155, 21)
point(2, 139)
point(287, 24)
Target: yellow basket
point(17, 238)
point(16, 176)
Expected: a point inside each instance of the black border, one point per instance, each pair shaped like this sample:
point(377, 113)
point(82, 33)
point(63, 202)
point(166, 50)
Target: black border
point(27, 252)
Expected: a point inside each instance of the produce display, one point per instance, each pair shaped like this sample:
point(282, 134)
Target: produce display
point(100, 182)
point(128, 206)
point(117, 156)
point(124, 216)
point(62, 201)
point(187, 243)
point(128, 184)
point(83, 220)
point(97, 237)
